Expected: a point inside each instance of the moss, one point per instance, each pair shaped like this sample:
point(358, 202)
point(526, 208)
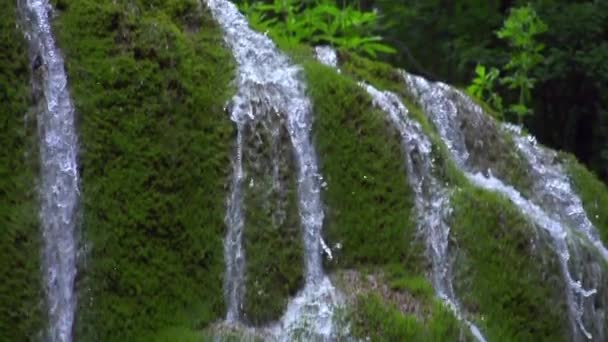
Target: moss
point(368, 200)
point(504, 272)
point(593, 194)
point(401, 280)
point(378, 320)
point(149, 80)
point(20, 289)
point(272, 238)
point(381, 75)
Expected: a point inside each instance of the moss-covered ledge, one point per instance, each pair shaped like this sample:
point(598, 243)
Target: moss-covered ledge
point(368, 200)
point(593, 194)
point(149, 81)
point(272, 241)
point(21, 297)
point(489, 234)
point(506, 274)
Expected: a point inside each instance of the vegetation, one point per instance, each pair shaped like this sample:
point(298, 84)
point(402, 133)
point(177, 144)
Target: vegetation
point(317, 22)
point(520, 30)
point(506, 274)
point(379, 320)
point(368, 199)
point(593, 193)
point(446, 40)
point(272, 237)
point(149, 81)
point(21, 294)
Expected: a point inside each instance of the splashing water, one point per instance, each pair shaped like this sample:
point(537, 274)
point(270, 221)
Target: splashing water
point(431, 198)
point(233, 244)
point(269, 83)
point(553, 189)
point(59, 187)
point(556, 209)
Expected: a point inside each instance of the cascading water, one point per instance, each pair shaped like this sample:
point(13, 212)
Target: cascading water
point(269, 83)
point(431, 197)
point(557, 209)
point(552, 187)
point(235, 221)
point(59, 186)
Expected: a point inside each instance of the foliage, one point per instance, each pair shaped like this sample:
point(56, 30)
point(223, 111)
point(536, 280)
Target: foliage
point(504, 273)
point(149, 81)
point(483, 87)
point(21, 312)
point(521, 30)
point(320, 22)
point(445, 40)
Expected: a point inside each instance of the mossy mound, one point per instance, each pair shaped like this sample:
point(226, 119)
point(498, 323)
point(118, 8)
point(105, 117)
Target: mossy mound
point(149, 80)
point(489, 234)
point(379, 320)
point(593, 194)
point(368, 200)
point(396, 306)
point(21, 296)
point(505, 273)
point(272, 233)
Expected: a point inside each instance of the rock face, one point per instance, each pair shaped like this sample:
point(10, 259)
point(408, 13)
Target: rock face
point(229, 188)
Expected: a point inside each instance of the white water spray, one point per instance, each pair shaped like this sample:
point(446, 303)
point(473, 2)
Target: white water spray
point(551, 210)
point(59, 187)
point(268, 83)
point(431, 197)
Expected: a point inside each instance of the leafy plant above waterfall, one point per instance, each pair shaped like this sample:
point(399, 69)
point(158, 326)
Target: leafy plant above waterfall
point(322, 22)
point(520, 30)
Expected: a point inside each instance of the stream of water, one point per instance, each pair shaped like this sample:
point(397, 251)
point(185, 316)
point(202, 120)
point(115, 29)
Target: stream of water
point(59, 172)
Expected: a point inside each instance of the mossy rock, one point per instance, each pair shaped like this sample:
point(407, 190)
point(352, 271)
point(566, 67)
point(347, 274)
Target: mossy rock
point(375, 319)
point(21, 297)
point(506, 275)
point(149, 81)
point(593, 194)
point(273, 240)
point(368, 200)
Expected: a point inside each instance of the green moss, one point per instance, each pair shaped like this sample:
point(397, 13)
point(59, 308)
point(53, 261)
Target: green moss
point(504, 272)
point(417, 285)
point(369, 202)
point(149, 80)
point(593, 193)
point(272, 238)
point(381, 75)
point(20, 289)
point(379, 320)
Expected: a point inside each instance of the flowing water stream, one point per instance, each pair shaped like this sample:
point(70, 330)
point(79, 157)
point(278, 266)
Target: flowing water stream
point(269, 84)
point(554, 207)
point(431, 197)
point(59, 172)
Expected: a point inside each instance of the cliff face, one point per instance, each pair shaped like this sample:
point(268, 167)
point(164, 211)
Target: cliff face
point(440, 223)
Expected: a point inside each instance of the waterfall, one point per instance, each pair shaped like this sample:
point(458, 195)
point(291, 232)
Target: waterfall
point(268, 83)
point(431, 197)
point(233, 244)
point(59, 185)
point(556, 209)
point(552, 187)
